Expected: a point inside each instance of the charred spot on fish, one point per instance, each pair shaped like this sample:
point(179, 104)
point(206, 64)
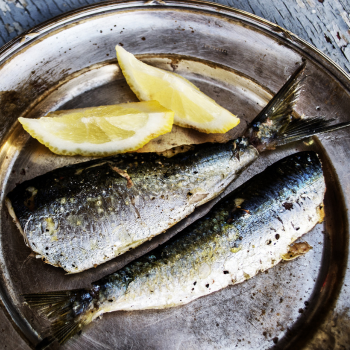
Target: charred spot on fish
point(192, 288)
point(207, 285)
point(275, 340)
point(277, 236)
point(47, 248)
point(22, 172)
point(226, 272)
point(269, 242)
point(279, 219)
point(194, 283)
point(288, 206)
point(195, 172)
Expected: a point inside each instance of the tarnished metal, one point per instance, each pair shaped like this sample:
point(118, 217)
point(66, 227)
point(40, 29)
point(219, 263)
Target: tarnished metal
point(69, 63)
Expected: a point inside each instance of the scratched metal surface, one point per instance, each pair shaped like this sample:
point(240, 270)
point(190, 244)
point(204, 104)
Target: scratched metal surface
point(323, 23)
point(301, 301)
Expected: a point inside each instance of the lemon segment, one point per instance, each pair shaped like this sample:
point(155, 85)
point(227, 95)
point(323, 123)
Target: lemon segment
point(193, 109)
point(101, 131)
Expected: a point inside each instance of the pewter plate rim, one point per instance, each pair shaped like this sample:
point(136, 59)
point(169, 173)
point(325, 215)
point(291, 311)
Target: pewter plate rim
point(282, 35)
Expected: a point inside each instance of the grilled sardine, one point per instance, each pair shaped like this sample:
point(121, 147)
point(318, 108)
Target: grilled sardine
point(80, 216)
point(247, 232)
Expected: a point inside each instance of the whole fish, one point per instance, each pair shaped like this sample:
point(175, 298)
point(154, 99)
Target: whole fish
point(80, 216)
point(246, 232)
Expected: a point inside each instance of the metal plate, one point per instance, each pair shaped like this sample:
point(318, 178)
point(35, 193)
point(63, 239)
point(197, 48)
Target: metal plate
point(239, 60)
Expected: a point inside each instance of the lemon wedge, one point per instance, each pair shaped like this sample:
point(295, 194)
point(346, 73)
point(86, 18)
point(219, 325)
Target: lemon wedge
point(193, 109)
point(101, 131)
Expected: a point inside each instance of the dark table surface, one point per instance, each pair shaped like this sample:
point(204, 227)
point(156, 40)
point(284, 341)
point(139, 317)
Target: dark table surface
point(323, 23)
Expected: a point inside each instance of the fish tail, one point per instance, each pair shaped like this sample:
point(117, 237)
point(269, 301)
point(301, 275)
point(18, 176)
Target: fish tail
point(68, 312)
point(300, 129)
point(278, 124)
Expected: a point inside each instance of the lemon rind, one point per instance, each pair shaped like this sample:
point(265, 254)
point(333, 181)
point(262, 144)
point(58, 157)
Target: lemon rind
point(158, 123)
point(222, 122)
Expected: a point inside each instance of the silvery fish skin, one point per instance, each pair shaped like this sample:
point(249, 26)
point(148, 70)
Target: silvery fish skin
point(247, 232)
point(80, 216)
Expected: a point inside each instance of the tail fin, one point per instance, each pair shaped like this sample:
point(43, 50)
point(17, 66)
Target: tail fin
point(68, 311)
point(299, 129)
point(282, 104)
point(277, 123)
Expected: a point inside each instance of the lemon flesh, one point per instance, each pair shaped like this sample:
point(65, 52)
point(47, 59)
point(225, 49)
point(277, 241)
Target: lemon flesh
point(101, 131)
point(193, 109)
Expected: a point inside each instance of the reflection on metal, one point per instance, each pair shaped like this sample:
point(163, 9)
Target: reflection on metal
point(28, 36)
point(236, 58)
